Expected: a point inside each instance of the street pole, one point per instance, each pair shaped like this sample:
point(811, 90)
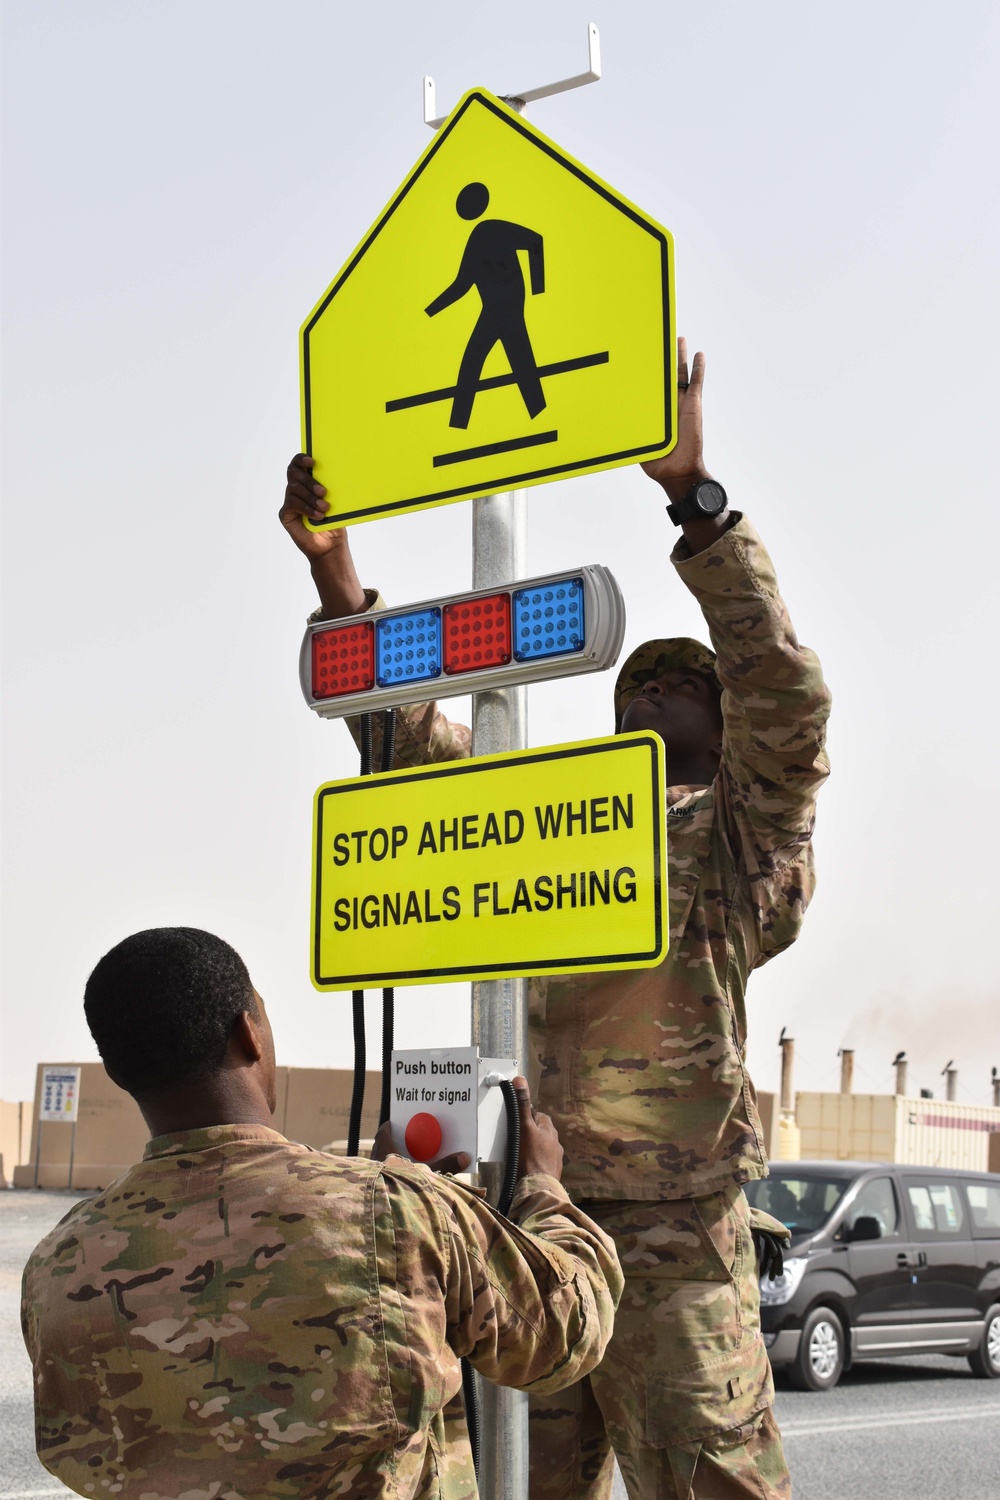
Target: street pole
point(499, 724)
point(499, 1006)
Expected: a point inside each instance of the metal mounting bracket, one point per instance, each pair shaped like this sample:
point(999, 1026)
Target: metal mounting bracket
point(525, 96)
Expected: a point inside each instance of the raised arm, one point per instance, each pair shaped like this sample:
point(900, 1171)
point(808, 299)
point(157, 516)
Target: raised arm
point(775, 703)
point(684, 465)
point(329, 552)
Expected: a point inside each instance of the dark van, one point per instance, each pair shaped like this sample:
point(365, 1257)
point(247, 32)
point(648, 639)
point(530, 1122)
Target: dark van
point(885, 1260)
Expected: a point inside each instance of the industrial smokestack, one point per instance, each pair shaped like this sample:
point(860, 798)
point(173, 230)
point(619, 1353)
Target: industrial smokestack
point(950, 1075)
point(846, 1069)
point(899, 1063)
point(787, 1045)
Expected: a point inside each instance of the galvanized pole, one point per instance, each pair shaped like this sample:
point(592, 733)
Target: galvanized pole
point(499, 1006)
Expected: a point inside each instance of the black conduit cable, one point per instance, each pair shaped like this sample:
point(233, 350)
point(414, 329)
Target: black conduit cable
point(360, 1065)
point(366, 744)
point(388, 1025)
point(511, 1160)
point(388, 995)
point(471, 1398)
point(510, 1176)
point(358, 996)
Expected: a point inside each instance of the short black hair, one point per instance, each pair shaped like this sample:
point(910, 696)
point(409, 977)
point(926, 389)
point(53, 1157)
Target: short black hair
point(162, 1004)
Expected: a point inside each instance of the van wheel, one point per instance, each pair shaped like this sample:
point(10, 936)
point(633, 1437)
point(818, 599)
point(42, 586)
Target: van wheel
point(820, 1360)
point(985, 1360)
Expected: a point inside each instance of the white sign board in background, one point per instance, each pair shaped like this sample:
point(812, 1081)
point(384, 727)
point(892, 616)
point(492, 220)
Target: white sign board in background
point(60, 1095)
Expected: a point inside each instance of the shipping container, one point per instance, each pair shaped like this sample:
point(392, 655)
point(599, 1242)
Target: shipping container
point(892, 1127)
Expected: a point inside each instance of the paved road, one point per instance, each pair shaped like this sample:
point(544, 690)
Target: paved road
point(902, 1430)
point(916, 1429)
point(24, 1217)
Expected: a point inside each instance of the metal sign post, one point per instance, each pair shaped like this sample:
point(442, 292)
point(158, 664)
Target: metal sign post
point(500, 724)
point(353, 337)
point(500, 1006)
point(59, 1102)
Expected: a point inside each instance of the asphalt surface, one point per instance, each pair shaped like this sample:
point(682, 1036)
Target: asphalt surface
point(915, 1429)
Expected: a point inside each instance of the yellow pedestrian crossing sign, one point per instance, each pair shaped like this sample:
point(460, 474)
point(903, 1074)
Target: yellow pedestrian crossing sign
point(509, 320)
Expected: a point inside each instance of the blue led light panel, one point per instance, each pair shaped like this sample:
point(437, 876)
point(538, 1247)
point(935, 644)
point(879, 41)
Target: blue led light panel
point(548, 620)
point(408, 647)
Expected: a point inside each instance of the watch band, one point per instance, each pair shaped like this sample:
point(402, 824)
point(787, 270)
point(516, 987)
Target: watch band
point(704, 499)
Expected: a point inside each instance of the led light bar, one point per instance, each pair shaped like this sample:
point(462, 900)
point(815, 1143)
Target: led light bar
point(534, 630)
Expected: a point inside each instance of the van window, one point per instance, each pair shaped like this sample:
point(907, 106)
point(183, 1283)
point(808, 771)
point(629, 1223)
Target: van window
point(937, 1208)
point(876, 1200)
point(984, 1203)
point(801, 1202)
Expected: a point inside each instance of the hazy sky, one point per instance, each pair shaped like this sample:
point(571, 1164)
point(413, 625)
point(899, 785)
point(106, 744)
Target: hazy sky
point(181, 182)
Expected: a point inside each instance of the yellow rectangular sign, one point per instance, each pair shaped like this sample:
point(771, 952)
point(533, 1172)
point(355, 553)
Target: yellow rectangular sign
point(538, 862)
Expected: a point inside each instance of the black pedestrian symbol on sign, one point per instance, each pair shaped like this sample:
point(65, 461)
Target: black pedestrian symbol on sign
point(491, 265)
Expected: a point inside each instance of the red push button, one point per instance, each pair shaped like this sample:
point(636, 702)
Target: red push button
point(423, 1137)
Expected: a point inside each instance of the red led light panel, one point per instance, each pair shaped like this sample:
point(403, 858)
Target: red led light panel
point(476, 634)
point(343, 660)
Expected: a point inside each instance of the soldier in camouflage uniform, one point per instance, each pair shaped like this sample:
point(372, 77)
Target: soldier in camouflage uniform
point(644, 1071)
point(238, 1316)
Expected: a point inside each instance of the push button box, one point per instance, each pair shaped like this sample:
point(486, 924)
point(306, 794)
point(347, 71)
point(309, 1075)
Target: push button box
point(441, 1103)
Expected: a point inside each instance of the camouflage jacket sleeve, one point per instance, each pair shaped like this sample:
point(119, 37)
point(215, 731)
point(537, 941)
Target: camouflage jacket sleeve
point(423, 734)
point(775, 707)
point(530, 1301)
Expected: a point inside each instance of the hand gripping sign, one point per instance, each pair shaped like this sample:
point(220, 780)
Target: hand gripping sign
point(538, 862)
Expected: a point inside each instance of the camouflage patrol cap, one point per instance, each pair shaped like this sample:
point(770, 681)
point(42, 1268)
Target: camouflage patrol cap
point(655, 657)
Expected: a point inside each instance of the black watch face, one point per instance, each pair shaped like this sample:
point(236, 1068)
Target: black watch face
point(710, 498)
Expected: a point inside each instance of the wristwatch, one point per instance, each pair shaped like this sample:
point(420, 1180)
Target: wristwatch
point(706, 498)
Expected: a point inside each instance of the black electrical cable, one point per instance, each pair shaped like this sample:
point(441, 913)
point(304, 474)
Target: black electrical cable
point(366, 744)
point(358, 996)
point(388, 995)
point(360, 1065)
point(388, 1025)
point(471, 1398)
point(511, 1160)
